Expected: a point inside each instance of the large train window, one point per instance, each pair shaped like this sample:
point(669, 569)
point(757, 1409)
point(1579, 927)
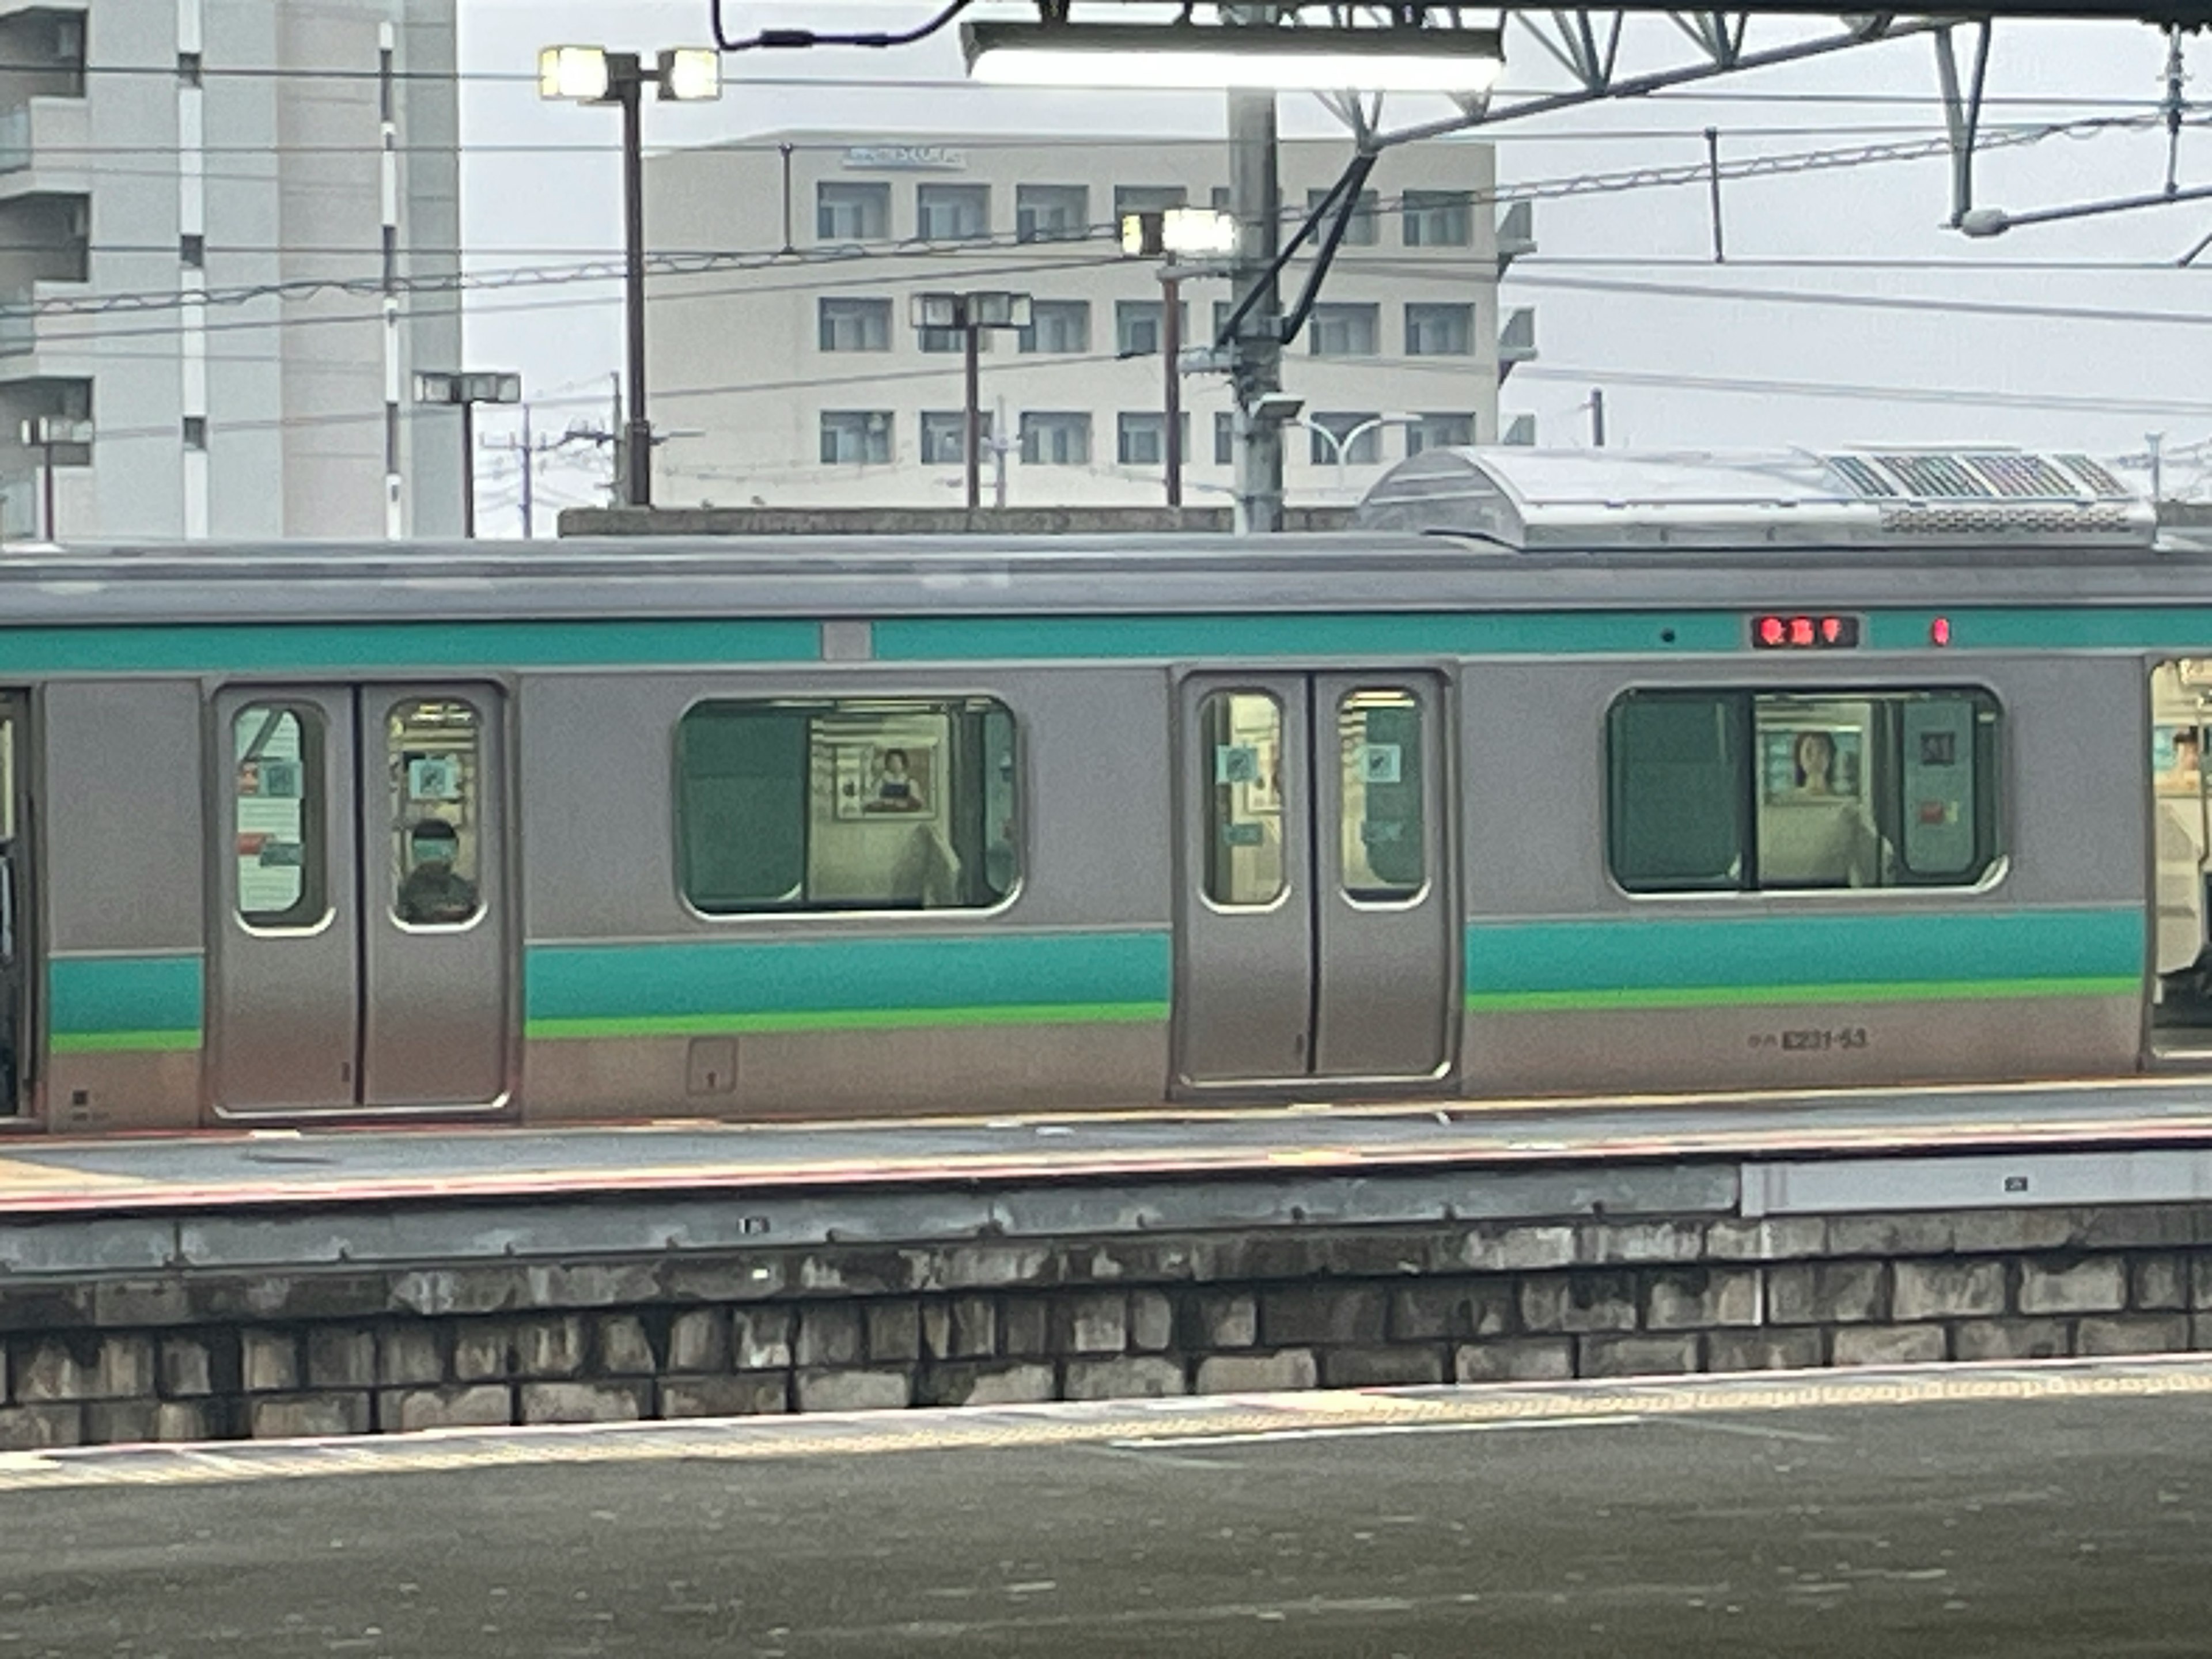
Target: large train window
point(1244, 806)
point(1780, 792)
point(431, 746)
point(856, 804)
point(1379, 760)
point(277, 814)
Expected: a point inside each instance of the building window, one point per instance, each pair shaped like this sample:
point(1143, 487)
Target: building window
point(856, 437)
point(1141, 439)
point(1439, 331)
point(196, 432)
point(945, 436)
point(1439, 432)
point(1057, 327)
point(848, 212)
point(1137, 327)
point(190, 71)
point(1052, 213)
point(1345, 331)
point(886, 804)
point(1146, 198)
point(1735, 792)
point(952, 213)
point(1218, 198)
point(191, 251)
point(1055, 438)
point(1224, 439)
point(1366, 450)
point(847, 325)
point(1439, 218)
point(1365, 217)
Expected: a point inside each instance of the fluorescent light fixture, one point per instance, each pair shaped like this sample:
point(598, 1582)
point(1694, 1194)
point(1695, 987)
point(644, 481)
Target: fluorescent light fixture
point(1188, 55)
point(438, 387)
point(1198, 230)
point(692, 74)
point(936, 311)
point(44, 430)
point(999, 309)
point(577, 72)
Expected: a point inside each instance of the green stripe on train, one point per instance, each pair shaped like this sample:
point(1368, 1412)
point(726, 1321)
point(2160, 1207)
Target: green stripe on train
point(698, 987)
point(1383, 635)
point(1689, 962)
point(322, 649)
point(125, 1005)
point(2186, 628)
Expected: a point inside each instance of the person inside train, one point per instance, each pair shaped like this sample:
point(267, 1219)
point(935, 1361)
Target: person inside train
point(433, 891)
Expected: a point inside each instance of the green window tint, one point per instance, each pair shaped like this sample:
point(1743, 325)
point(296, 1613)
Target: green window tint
point(277, 815)
point(1834, 789)
point(1379, 766)
point(857, 804)
point(1676, 806)
point(1243, 735)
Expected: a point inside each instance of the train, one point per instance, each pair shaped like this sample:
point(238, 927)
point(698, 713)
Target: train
point(1561, 776)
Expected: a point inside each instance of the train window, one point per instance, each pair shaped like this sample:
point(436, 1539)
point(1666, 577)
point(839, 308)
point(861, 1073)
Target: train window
point(1380, 809)
point(1244, 733)
point(431, 750)
point(860, 804)
point(277, 815)
point(1779, 791)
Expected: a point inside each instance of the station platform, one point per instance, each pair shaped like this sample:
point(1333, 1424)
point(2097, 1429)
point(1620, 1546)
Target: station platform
point(222, 1170)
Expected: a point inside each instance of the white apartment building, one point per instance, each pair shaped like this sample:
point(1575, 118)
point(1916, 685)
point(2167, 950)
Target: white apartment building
point(164, 159)
point(802, 382)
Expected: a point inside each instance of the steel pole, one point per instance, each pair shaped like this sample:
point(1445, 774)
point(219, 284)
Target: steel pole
point(468, 469)
point(47, 489)
point(1171, 352)
point(1256, 353)
point(629, 90)
point(972, 448)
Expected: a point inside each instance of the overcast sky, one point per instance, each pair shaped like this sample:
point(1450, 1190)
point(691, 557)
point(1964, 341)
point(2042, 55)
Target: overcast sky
point(1727, 364)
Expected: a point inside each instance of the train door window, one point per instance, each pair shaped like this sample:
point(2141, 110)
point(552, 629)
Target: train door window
point(436, 819)
point(854, 804)
point(1380, 802)
point(278, 813)
point(1243, 732)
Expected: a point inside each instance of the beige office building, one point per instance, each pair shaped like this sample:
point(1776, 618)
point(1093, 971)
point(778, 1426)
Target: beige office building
point(791, 373)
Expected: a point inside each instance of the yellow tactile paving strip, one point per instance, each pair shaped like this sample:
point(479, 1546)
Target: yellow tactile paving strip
point(1127, 1426)
point(18, 1176)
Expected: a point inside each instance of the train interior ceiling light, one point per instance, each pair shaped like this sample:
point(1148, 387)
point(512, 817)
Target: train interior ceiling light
point(1190, 55)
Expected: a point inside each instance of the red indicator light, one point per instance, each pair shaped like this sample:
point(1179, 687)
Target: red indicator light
point(1770, 631)
point(1939, 631)
point(1832, 630)
point(1800, 630)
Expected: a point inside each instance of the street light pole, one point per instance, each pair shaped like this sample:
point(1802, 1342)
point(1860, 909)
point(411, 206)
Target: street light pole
point(628, 85)
point(592, 75)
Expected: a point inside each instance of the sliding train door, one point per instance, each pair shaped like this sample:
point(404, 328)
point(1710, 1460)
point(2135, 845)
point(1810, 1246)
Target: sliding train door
point(1317, 928)
point(362, 958)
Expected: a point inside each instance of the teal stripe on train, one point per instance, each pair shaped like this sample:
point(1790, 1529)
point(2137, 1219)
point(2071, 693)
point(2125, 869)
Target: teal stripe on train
point(1374, 635)
point(325, 648)
point(1687, 961)
point(2184, 628)
point(107, 1005)
point(715, 985)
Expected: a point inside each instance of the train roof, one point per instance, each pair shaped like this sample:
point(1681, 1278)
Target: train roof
point(1460, 528)
point(1593, 500)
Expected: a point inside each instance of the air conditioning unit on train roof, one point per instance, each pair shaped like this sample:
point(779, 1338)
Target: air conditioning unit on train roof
point(1605, 501)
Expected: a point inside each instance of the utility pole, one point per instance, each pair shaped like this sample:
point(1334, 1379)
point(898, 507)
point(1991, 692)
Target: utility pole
point(971, 432)
point(999, 444)
point(1255, 360)
point(529, 451)
point(618, 489)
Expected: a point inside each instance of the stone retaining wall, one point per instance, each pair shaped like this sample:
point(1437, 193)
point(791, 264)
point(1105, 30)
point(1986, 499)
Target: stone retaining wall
point(989, 1322)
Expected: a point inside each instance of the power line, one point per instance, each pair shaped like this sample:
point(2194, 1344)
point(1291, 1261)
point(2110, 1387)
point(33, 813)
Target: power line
point(1944, 396)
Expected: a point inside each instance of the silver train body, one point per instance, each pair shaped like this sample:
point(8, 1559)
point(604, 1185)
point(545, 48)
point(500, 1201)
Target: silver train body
point(1573, 776)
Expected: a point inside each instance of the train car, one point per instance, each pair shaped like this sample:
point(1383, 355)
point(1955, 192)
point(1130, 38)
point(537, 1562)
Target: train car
point(1568, 775)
